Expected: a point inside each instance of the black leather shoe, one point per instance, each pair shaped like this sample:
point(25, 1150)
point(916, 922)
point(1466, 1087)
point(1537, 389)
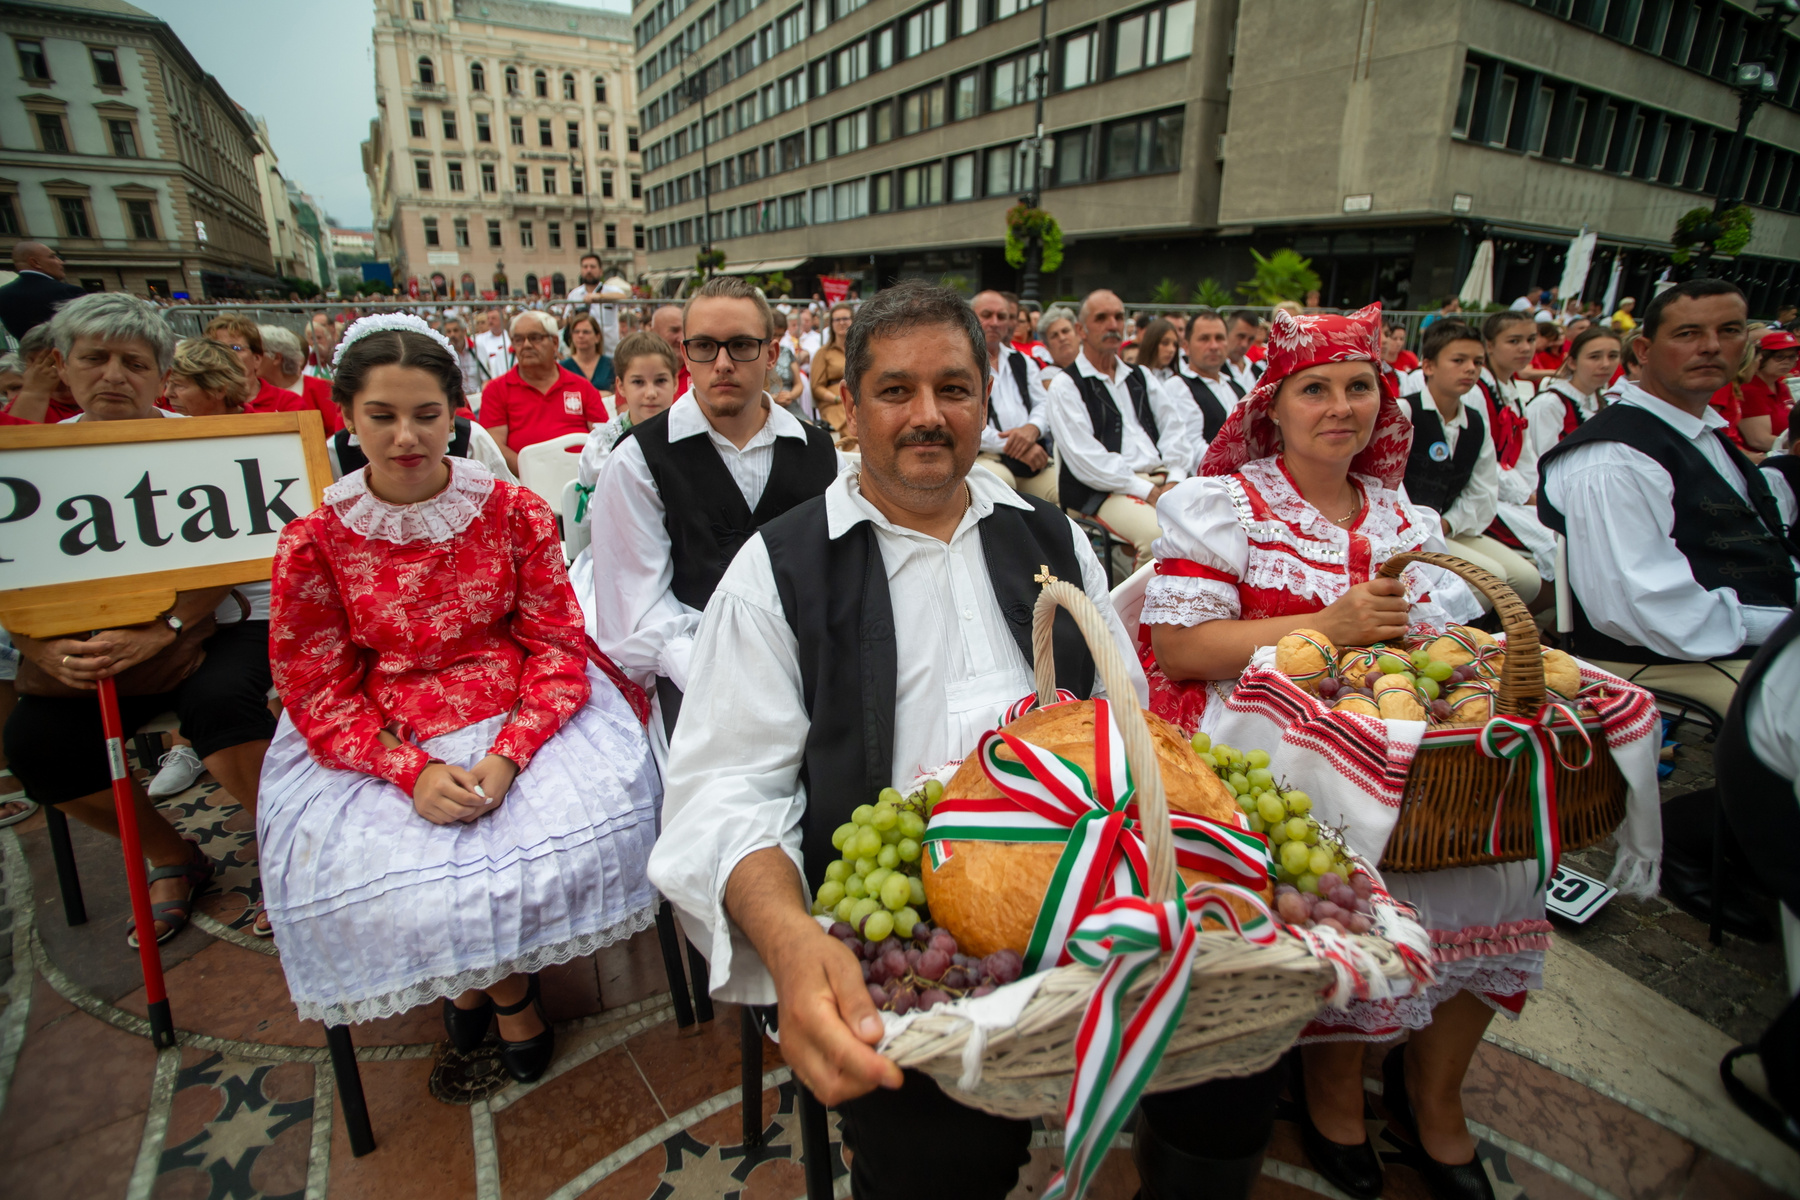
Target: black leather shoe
point(1355, 1169)
point(468, 1027)
point(1445, 1181)
point(526, 1061)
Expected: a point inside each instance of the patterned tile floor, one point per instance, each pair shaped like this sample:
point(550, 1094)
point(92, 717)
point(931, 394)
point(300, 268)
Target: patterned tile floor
point(636, 1108)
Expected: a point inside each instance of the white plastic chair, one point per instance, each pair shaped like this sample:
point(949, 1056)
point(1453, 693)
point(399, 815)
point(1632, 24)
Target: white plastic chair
point(576, 534)
point(1128, 597)
point(547, 466)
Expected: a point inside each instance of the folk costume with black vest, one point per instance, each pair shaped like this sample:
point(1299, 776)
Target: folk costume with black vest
point(1018, 398)
point(1213, 401)
point(1117, 437)
point(674, 502)
point(1515, 524)
point(347, 454)
point(1556, 412)
point(1682, 555)
point(842, 654)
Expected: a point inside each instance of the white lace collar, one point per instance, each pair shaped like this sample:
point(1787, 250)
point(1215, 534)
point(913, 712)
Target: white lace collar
point(438, 519)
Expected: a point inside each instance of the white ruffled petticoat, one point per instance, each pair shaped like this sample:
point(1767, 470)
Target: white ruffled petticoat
point(377, 910)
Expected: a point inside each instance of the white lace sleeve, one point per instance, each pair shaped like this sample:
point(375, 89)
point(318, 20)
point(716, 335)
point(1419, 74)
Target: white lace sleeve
point(1199, 526)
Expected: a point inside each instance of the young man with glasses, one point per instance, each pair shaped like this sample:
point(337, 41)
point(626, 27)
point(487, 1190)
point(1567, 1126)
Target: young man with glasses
point(538, 399)
point(682, 491)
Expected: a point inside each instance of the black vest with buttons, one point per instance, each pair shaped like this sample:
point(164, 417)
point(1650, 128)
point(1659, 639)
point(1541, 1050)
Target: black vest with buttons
point(1727, 542)
point(1017, 363)
point(835, 597)
point(1436, 483)
point(1212, 413)
point(1109, 430)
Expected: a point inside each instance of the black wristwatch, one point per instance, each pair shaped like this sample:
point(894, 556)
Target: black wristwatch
point(175, 623)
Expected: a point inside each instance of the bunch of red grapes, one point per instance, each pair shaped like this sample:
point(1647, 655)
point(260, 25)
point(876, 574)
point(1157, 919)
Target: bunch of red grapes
point(925, 968)
point(1345, 906)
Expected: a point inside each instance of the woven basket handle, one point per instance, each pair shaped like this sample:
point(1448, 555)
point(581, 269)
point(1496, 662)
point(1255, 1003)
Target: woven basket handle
point(1521, 688)
point(1121, 695)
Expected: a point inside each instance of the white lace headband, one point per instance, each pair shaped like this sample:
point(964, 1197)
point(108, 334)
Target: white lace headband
point(381, 322)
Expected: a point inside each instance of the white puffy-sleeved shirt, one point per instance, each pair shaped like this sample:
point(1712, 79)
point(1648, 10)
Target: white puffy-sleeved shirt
point(1518, 483)
point(1544, 415)
point(1102, 469)
point(1009, 408)
point(1475, 507)
point(1632, 581)
point(733, 782)
point(601, 440)
point(1276, 544)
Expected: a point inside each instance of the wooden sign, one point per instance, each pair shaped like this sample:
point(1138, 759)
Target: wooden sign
point(102, 522)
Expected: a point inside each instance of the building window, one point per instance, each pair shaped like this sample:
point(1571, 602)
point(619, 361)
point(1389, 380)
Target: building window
point(1000, 171)
point(142, 214)
point(489, 180)
point(1157, 35)
point(516, 128)
point(1014, 81)
point(962, 177)
point(460, 226)
point(922, 185)
point(965, 95)
point(493, 234)
point(821, 141)
point(631, 139)
point(1465, 100)
point(637, 187)
point(852, 63)
point(923, 109)
point(606, 137)
point(612, 236)
point(555, 228)
point(599, 89)
point(1142, 145)
point(32, 63)
point(456, 175)
point(74, 213)
point(606, 185)
point(431, 232)
point(422, 172)
point(850, 200)
point(637, 237)
point(484, 130)
point(1078, 54)
point(574, 134)
point(9, 217)
point(51, 133)
point(521, 179)
point(540, 83)
point(415, 121)
point(427, 73)
point(531, 285)
point(821, 206)
point(883, 122)
point(568, 86)
point(549, 174)
point(512, 80)
point(1006, 8)
point(527, 238)
point(581, 235)
point(927, 29)
point(418, 10)
point(477, 77)
point(852, 132)
point(124, 138)
point(577, 182)
point(1072, 156)
point(883, 200)
point(449, 125)
point(1539, 127)
point(106, 67)
point(544, 138)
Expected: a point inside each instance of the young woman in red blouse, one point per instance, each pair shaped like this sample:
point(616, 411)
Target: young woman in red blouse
point(460, 792)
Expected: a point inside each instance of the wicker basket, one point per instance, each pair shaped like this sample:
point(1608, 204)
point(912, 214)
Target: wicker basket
point(1246, 1004)
point(1451, 791)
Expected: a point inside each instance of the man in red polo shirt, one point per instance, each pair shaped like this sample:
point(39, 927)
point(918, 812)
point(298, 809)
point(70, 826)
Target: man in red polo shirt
point(243, 337)
point(537, 400)
point(283, 364)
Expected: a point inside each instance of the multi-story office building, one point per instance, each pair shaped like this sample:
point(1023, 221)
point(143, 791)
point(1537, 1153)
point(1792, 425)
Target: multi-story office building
point(293, 249)
point(120, 151)
point(861, 139)
point(506, 145)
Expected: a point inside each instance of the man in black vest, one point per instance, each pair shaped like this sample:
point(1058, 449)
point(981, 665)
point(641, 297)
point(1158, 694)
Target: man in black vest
point(682, 492)
point(1121, 438)
point(867, 635)
point(1214, 390)
point(1015, 444)
point(1681, 552)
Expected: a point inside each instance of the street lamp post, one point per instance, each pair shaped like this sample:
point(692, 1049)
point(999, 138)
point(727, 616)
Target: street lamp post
point(1034, 242)
point(696, 87)
point(1753, 78)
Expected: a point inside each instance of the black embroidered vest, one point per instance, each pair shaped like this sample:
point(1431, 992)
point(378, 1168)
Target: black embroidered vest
point(1437, 482)
point(1109, 430)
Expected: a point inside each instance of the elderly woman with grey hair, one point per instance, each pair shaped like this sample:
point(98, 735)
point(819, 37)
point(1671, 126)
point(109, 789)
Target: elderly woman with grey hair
point(115, 350)
point(1056, 329)
point(284, 367)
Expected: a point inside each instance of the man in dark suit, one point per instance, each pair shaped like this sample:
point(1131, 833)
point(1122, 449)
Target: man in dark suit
point(38, 291)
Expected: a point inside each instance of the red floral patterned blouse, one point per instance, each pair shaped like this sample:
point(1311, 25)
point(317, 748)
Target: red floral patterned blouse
point(425, 618)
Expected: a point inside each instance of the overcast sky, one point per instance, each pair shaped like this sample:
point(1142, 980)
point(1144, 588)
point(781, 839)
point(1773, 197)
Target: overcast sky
point(308, 71)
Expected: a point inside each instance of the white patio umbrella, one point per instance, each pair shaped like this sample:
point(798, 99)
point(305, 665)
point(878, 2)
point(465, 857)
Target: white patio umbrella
point(1478, 289)
point(1576, 264)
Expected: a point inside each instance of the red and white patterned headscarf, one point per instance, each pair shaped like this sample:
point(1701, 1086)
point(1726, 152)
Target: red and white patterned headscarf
point(1296, 343)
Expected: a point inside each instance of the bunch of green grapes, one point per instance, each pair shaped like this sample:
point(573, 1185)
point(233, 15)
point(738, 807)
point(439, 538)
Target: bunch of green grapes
point(1304, 849)
point(876, 886)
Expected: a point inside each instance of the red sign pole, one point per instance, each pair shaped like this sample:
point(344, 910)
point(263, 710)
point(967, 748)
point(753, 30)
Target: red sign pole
point(162, 1025)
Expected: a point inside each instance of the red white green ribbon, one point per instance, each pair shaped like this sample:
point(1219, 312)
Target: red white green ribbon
point(1115, 1056)
point(1534, 742)
point(1024, 705)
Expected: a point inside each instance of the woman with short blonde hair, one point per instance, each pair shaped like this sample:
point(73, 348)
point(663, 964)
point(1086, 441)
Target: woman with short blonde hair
point(207, 380)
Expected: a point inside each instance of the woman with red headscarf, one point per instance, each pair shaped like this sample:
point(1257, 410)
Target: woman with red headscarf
point(1297, 504)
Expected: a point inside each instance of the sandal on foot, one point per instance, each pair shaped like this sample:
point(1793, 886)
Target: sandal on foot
point(18, 797)
point(175, 913)
point(257, 928)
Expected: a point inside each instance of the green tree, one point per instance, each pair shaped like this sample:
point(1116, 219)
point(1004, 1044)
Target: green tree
point(1283, 275)
point(1211, 293)
point(956, 283)
point(1166, 292)
point(776, 284)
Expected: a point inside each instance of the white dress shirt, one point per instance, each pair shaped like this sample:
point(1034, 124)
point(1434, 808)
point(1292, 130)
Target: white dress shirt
point(1103, 469)
point(1546, 411)
point(1474, 509)
point(605, 313)
point(732, 785)
point(496, 353)
point(1631, 580)
point(1009, 408)
point(1518, 483)
point(1222, 391)
point(1244, 372)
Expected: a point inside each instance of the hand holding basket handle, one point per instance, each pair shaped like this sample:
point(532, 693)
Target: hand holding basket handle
point(1521, 688)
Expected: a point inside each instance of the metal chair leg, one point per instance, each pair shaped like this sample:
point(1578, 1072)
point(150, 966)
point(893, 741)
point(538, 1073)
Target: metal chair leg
point(815, 1144)
point(702, 981)
point(350, 1091)
point(669, 936)
point(62, 852)
point(750, 1056)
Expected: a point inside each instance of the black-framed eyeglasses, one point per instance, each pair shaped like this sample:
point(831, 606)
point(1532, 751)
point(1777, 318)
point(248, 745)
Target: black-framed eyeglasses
point(741, 349)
